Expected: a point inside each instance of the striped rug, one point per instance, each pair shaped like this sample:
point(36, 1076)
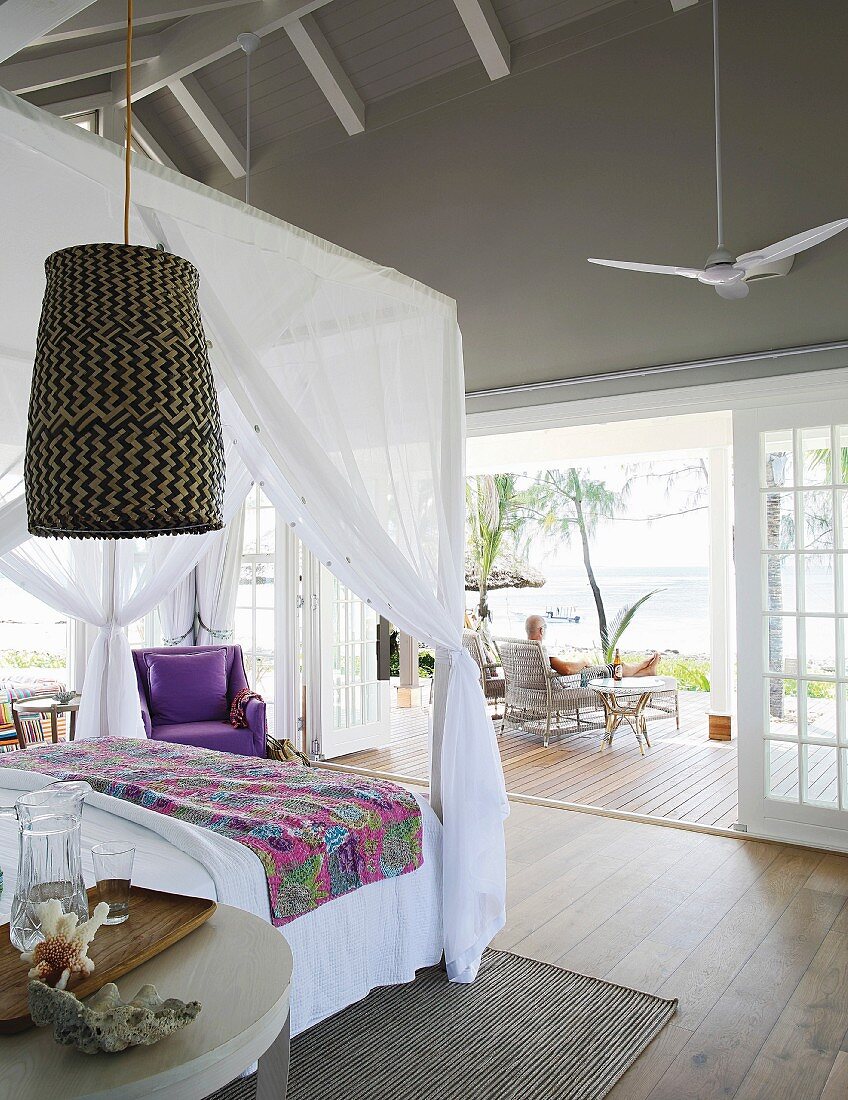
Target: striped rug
point(524, 1030)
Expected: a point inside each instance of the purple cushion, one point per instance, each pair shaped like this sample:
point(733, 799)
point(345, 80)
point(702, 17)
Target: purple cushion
point(209, 735)
point(188, 687)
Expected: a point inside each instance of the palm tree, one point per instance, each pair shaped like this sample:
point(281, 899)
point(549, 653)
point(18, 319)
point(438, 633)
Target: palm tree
point(566, 502)
point(496, 513)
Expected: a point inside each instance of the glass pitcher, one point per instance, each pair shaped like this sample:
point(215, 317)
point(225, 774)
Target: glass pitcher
point(49, 860)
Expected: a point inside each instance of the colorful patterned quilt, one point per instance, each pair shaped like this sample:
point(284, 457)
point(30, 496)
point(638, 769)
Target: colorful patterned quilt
point(319, 834)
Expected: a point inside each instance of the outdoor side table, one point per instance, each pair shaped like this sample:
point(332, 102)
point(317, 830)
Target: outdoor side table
point(625, 701)
point(46, 704)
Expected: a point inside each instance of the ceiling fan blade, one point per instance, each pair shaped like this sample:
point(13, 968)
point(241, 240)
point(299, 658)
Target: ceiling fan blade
point(656, 269)
point(733, 290)
point(792, 245)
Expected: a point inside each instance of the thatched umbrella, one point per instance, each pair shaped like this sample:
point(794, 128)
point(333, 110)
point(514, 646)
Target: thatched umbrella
point(510, 572)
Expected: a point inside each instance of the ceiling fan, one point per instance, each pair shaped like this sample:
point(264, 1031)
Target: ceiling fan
point(730, 277)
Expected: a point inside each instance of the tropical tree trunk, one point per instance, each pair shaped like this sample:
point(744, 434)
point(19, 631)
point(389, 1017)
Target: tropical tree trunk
point(587, 561)
point(483, 603)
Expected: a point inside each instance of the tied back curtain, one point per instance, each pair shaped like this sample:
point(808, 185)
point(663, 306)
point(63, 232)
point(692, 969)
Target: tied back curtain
point(341, 385)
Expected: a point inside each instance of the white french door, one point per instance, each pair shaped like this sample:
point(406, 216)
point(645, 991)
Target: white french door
point(791, 493)
point(350, 705)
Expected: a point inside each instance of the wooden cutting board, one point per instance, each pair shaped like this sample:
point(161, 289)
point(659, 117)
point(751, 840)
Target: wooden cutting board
point(156, 921)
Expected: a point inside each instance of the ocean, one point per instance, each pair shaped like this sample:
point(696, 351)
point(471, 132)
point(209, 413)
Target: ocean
point(675, 618)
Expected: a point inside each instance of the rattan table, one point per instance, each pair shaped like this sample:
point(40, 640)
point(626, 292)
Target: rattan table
point(625, 701)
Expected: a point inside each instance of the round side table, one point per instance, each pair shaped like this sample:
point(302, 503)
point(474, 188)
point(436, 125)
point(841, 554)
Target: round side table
point(625, 700)
point(238, 967)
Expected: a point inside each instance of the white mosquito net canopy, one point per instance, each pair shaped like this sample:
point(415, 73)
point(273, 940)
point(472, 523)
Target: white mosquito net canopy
point(341, 390)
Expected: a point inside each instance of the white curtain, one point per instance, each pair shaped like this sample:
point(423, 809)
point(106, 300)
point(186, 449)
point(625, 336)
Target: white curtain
point(216, 581)
point(201, 609)
point(177, 613)
point(341, 384)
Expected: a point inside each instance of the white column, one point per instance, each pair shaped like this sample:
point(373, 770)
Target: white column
point(409, 687)
point(722, 626)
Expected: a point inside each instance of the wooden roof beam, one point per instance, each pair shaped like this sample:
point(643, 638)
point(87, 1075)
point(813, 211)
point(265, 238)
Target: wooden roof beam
point(487, 34)
point(194, 43)
point(63, 68)
point(211, 123)
point(23, 22)
point(309, 41)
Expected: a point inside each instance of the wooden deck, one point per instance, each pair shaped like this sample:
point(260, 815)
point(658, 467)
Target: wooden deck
point(683, 777)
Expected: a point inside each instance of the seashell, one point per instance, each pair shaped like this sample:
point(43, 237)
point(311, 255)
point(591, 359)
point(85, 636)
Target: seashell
point(64, 949)
point(104, 1021)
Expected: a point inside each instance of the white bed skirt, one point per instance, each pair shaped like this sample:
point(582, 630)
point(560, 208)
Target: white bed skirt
point(377, 935)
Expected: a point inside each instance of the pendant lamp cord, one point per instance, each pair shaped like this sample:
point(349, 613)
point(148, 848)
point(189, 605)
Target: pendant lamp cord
point(719, 205)
point(128, 148)
point(247, 138)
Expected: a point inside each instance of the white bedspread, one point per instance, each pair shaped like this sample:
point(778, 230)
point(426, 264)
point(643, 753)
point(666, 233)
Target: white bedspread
point(377, 935)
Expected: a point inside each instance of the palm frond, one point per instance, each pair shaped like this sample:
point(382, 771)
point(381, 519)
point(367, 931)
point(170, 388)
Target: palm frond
point(623, 618)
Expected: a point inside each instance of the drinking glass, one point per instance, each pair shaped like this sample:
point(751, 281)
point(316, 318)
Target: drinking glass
point(113, 872)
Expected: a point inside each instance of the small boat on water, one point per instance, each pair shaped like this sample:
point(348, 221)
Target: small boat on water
point(562, 614)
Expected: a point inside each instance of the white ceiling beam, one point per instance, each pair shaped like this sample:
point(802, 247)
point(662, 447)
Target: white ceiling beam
point(679, 5)
point(211, 123)
point(150, 145)
point(309, 41)
point(197, 42)
point(487, 34)
point(62, 68)
point(22, 22)
point(111, 15)
point(78, 105)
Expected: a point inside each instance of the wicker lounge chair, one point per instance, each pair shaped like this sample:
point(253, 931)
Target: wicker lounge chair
point(537, 696)
point(491, 680)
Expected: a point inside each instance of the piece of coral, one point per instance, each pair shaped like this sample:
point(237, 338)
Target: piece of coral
point(64, 949)
point(104, 1022)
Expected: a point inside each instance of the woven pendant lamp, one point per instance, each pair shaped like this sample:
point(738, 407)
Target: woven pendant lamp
point(124, 432)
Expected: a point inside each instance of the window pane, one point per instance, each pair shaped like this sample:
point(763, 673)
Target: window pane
point(842, 466)
point(372, 703)
point(780, 582)
point(782, 706)
point(822, 779)
point(33, 637)
point(815, 448)
point(819, 637)
point(267, 523)
point(782, 645)
point(818, 582)
point(779, 521)
point(264, 573)
point(777, 458)
point(817, 510)
point(782, 770)
point(821, 709)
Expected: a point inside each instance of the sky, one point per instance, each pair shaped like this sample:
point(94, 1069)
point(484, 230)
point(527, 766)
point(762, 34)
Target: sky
point(631, 540)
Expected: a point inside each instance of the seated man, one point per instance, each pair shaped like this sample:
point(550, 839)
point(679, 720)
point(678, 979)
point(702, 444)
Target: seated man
point(535, 626)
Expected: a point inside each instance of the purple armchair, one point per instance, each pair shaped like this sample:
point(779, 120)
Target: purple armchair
point(186, 695)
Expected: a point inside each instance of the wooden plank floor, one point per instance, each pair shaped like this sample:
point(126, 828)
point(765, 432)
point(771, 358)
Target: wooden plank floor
point(751, 937)
point(684, 776)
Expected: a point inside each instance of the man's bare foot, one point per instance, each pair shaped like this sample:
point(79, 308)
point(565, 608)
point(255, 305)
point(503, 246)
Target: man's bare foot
point(648, 667)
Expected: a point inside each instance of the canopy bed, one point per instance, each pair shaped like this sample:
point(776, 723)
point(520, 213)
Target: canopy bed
point(341, 391)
